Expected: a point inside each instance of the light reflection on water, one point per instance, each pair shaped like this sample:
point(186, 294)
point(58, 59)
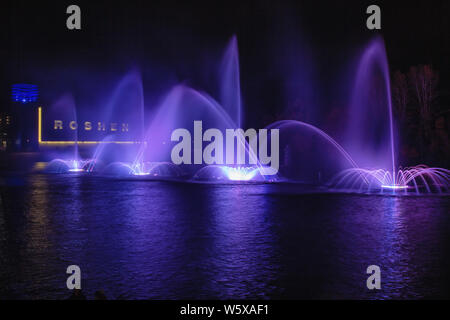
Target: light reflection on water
point(157, 240)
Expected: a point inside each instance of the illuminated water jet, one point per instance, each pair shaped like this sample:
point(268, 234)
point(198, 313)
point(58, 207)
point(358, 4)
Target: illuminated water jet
point(419, 179)
point(229, 173)
point(310, 155)
point(394, 187)
point(240, 173)
point(64, 166)
point(76, 166)
point(371, 139)
point(140, 173)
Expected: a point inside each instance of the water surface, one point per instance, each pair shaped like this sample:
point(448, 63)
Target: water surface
point(166, 240)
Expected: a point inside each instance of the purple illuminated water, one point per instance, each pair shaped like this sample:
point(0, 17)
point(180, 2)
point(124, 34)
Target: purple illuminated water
point(363, 160)
point(230, 87)
point(370, 124)
point(159, 240)
point(184, 105)
point(371, 139)
point(219, 231)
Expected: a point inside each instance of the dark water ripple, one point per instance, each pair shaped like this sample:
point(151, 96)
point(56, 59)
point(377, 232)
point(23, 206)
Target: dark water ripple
point(159, 240)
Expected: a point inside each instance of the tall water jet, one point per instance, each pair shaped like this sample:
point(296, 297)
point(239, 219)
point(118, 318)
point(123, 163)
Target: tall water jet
point(230, 87)
point(126, 102)
point(183, 105)
point(370, 134)
point(65, 108)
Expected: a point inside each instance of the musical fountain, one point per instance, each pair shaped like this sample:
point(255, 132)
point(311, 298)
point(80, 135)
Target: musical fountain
point(371, 136)
point(364, 160)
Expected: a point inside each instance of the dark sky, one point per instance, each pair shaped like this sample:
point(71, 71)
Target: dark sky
point(172, 41)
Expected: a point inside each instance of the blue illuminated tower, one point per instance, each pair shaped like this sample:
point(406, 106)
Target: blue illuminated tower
point(24, 93)
point(24, 98)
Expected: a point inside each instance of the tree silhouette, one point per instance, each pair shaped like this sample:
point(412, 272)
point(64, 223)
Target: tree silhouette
point(400, 95)
point(423, 81)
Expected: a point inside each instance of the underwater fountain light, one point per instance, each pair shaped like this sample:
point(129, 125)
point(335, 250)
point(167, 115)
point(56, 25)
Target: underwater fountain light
point(24, 93)
point(138, 170)
point(76, 167)
point(394, 187)
point(137, 173)
point(65, 166)
point(240, 173)
point(155, 169)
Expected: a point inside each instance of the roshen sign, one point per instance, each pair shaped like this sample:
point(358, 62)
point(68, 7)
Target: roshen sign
point(88, 126)
point(115, 128)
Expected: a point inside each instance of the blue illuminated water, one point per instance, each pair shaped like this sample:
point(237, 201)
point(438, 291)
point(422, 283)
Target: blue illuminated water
point(160, 240)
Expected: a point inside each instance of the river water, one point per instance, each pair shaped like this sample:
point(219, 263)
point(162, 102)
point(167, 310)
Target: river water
point(172, 240)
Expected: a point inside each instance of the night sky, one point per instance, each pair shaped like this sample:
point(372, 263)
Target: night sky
point(286, 47)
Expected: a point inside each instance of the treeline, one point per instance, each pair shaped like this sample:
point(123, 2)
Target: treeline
point(422, 120)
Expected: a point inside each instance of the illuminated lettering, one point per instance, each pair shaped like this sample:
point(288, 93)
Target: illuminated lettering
point(73, 125)
point(101, 126)
point(58, 125)
point(88, 126)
